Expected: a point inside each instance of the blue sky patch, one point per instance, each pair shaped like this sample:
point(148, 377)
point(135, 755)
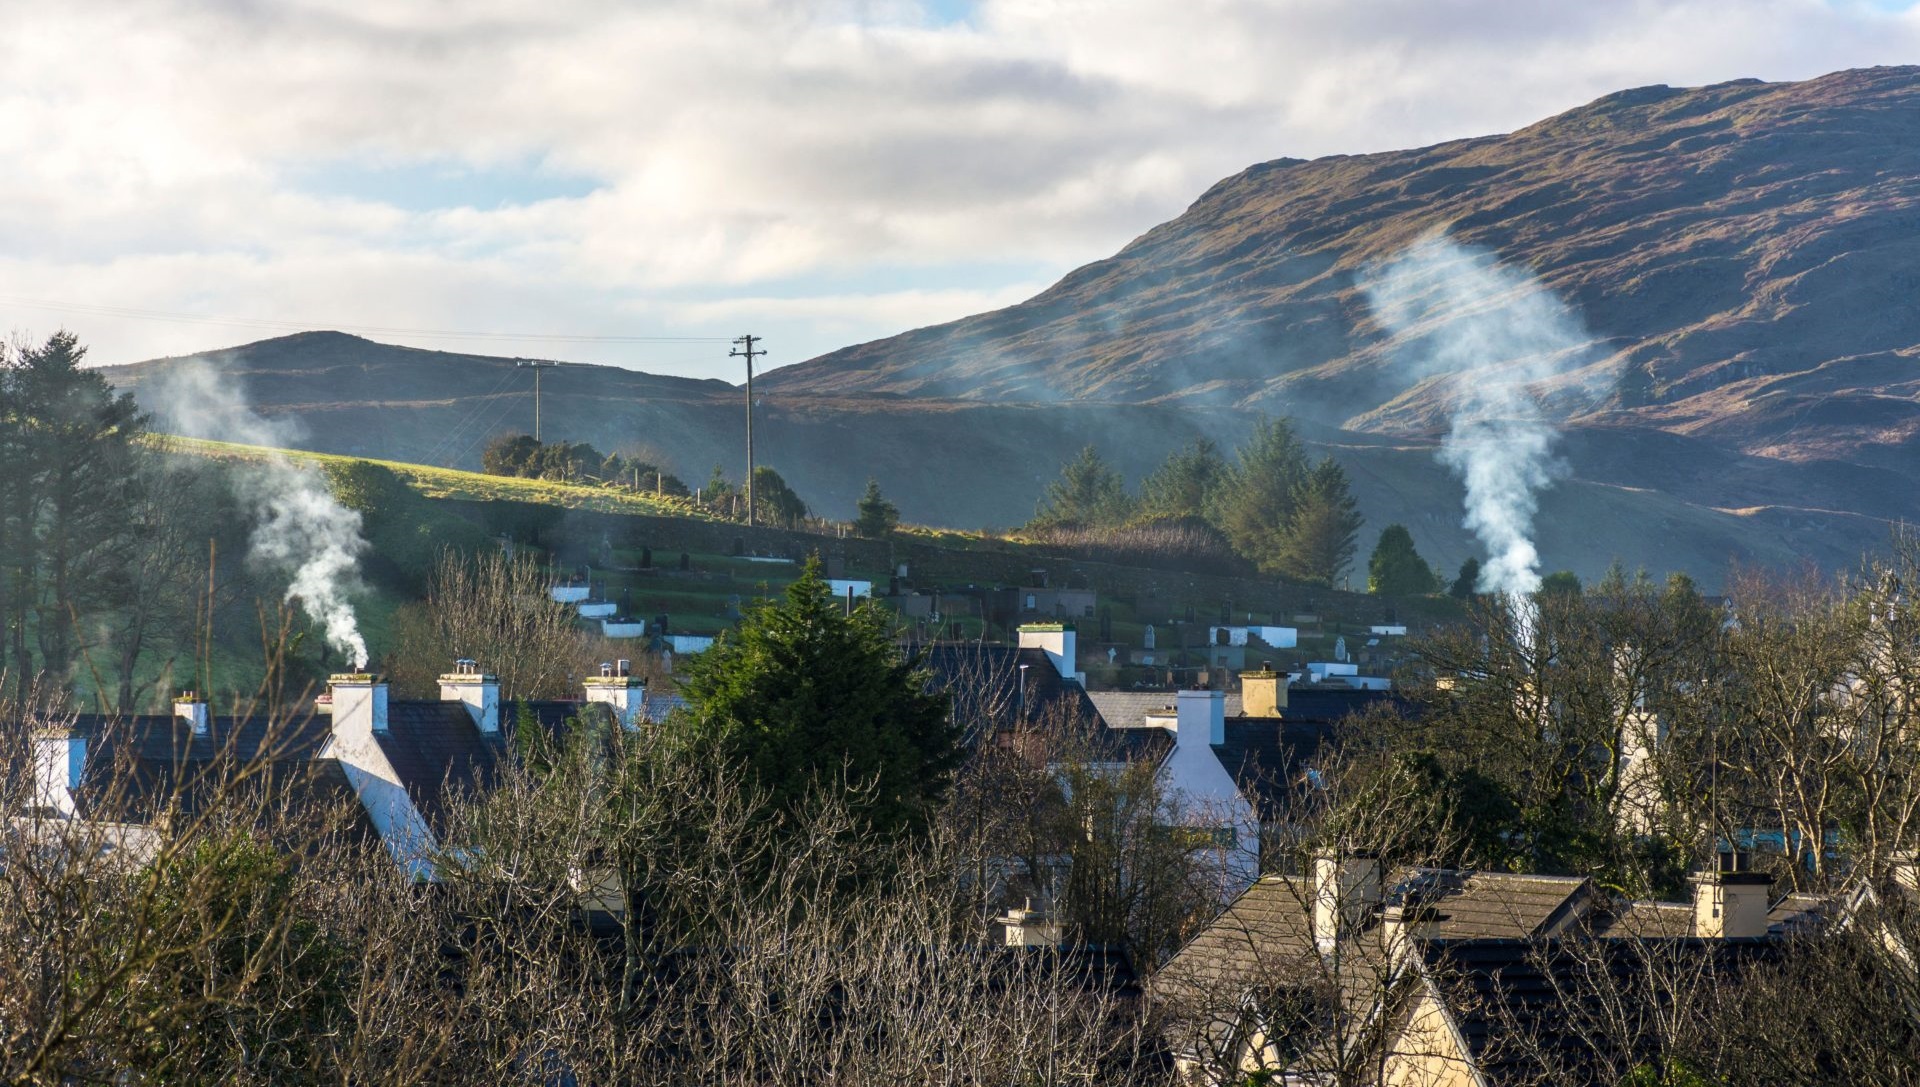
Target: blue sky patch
point(439, 184)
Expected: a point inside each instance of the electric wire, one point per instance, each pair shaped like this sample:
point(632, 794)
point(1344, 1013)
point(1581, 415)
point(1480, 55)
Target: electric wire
point(481, 403)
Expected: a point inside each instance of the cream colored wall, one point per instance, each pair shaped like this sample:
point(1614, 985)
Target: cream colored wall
point(1428, 1052)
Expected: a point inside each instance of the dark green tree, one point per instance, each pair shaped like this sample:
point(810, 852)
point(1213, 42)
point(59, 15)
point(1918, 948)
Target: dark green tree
point(774, 501)
point(1185, 483)
point(1088, 494)
point(510, 455)
point(1255, 504)
point(804, 697)
point(1564, 583)
point(877, 515)
point(1318, 543)
point(1396, 568)
point(1466, 584)
point(67, 481)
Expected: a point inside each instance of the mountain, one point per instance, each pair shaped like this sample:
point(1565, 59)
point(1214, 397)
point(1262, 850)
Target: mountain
point(1748, 252)
point(1742, 256)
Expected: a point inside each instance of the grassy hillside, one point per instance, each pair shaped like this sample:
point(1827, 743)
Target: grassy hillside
point(433, 482)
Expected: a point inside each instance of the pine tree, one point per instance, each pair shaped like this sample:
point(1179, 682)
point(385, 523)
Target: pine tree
point(1467, 583)
point(1088, 494)
point(877, 516)
point(1318, 543)
point(805, 697)
point(1396, 568)
point(1186, 483)
point(1255, 504)
point(774, 501)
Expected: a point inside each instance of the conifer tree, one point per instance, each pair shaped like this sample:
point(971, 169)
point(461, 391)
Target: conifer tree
point(1396, 568)
point(1318, 545)
point(877, 516)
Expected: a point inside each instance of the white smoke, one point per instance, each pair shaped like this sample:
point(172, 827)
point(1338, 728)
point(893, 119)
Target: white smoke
point(1490, 332)
point(299, 529)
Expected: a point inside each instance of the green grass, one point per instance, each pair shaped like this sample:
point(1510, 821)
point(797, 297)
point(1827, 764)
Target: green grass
point(453, 483)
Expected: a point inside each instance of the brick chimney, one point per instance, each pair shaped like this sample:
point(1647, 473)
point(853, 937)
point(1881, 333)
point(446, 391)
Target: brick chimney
point(623, 692)
point(1263, 693)
point(478, 691)
point(1346, 887)
point(193, 709)
point(1731, 905)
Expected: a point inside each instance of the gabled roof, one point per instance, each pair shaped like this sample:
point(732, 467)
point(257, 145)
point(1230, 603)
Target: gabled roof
point(1266, 755)
point(1528, 1010)
point(137, 767)
point(1479, 905)
point(985, 682)
point(437, 751)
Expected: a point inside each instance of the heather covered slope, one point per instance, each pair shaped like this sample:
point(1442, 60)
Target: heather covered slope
point(1746, 257)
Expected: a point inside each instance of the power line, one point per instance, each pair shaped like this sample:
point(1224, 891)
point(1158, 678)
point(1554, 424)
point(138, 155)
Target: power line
point(128, 312)
point(536, 365)
point(748, 353)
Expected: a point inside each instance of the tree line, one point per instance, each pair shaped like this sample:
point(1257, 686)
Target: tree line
point(1271, 504)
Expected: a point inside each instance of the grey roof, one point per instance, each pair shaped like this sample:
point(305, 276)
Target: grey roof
point(139, 767)
point(1478, 905)
point(985, 682)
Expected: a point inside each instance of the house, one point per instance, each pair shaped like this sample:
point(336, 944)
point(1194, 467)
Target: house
point(399, 762)
point(1434, 977)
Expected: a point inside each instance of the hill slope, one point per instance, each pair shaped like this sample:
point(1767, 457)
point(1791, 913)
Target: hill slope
point(1751, 245)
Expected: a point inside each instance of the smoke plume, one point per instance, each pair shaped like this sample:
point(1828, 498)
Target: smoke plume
point(1490, 332)
point(299, 530)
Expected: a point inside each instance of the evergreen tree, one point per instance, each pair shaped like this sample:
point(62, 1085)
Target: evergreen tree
point(1186, 483)
point(1088, 494)
point(805, 696)
point(67, 481)
point(510, 455)
point(1396, 568)
point(877, 515)
point(1564, 583)
point(1255, 504)
point(774, 502)
point(1318, 543)
point(1467, 583)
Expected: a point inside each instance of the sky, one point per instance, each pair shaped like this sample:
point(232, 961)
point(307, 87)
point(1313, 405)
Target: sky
point(636, 183)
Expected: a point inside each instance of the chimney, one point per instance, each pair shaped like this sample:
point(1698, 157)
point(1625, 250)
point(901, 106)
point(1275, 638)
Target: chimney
point(359, 708)
point(1346, 887)
point(1404, 922)
point(1730, 905)
point(1200, 718)
point(191, 708)
point(1263, 693)
point(1059, 640)
point(59, 759)
point(625, 693)
point(478, 691)
point(1028, 927)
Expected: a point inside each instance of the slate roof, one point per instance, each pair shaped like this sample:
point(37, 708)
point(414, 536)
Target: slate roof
point(1528, 1011)
point(985, 683)
point(1650, 920)
point(1266, 757)
point(438, 752)
point(138, 766)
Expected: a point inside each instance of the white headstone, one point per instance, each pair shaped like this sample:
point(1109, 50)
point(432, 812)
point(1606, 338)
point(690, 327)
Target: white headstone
point(1340, 649)
point(1149, 638)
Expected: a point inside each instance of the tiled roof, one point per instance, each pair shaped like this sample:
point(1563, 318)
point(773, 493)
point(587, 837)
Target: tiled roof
point(1650, 920)
point(1128, 709)
point(139, 767)
point(1476, 905)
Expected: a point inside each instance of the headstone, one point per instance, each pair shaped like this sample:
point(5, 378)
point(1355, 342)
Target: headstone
point(1340, 649)
point(1112, 654)
point(1147, 641)
point(686, 561)
point(646, 558)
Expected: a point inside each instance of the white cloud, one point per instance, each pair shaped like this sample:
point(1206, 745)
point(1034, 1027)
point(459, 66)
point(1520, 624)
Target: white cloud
point(161, 155)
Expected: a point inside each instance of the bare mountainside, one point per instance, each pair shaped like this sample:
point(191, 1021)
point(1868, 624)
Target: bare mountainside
point(1746, 257)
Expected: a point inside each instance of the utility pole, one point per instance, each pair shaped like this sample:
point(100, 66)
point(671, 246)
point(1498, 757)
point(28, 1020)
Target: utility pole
point(536, 365)
point(747, 352)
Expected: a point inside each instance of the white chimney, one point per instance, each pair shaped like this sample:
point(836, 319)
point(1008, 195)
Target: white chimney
point(1346, 887)
point(1200, 718)
point(59, 760)
point(624, 693)
point(359, 707)
point(1403, 923)
point(191, 708)
point(1730, 905)
point(478, 691)
point(1061, 644)
point(1028, 927)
